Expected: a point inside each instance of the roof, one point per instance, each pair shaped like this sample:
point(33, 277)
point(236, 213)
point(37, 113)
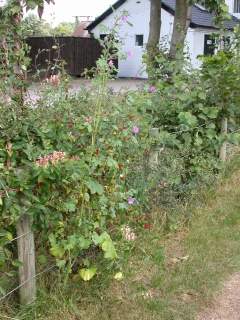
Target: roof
point(201, 18)
point(81, 30)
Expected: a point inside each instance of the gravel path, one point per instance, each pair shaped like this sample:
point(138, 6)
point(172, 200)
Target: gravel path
point(226, 305)
point(117, 86)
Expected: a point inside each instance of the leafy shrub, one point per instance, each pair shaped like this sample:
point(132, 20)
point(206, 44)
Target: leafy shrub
point(67, 166)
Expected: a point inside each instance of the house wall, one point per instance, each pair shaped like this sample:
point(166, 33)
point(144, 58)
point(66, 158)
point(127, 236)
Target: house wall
point(139, 16)
point(230, 4)
point(197, 45)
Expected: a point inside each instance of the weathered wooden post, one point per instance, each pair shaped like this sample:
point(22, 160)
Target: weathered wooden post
point(26, 255)
point(155, 151)
point(223, 149)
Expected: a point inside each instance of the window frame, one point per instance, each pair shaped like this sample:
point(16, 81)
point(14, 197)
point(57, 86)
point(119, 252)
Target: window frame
point(139, 43)
point(236, 6)
point(209, 49)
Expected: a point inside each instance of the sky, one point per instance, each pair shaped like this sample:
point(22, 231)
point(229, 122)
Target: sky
point(64, 10)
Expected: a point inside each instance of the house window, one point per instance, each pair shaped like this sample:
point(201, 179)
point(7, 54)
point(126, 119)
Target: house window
point(139, 40)
point(209, 45)
point(236, 6)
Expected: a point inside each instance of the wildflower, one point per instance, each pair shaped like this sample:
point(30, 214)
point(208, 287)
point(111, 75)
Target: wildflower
point(111, 64)
point(152, 89)
point(124, 18)
point(128, 233)
point(147, 226)
point(52, 158)
point(135, 130)
point(131, 201)
point(53, 80)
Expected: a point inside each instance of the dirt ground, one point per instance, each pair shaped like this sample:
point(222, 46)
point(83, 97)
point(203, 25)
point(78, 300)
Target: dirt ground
point(226, 305)
point(116, 85)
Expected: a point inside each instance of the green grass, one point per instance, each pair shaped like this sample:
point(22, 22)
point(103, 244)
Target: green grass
point(180, 271)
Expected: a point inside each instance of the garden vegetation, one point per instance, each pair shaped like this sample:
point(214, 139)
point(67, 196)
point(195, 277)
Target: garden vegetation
point(89, 169)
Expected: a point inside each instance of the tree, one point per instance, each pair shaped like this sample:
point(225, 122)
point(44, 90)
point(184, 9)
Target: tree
point(154, 34)
point(33, 26)
point(182, 18)
point(64, 29)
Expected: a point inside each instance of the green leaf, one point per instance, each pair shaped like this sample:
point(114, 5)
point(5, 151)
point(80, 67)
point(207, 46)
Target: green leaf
point(9, 236)
point(70, 206)
point(202, 95)
point(109, 250)
point(57, 251)
point(84, 243)
point(61, 264)
point(187, 118)
point(111, 163)
point(42, 259)
point(87, 274)
point(99, 239)
point(95, 187)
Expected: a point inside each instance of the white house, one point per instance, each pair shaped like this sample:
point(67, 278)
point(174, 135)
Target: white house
point(198, 40)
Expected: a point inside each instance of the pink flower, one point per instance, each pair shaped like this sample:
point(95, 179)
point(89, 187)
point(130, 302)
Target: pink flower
point(131, 201)
point(135, 130)
point(51, 158)
point(124, 18)
point(128, 233)
point(54, 80)
point(130, 54)
point(152, 89)
point(111, 64)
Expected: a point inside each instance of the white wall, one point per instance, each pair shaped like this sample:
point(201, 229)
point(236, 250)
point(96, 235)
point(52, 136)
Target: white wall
point(230, 4)
point(139, 16)
point(197, 45)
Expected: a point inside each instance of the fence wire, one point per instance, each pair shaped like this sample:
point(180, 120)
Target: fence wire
point(22, 284)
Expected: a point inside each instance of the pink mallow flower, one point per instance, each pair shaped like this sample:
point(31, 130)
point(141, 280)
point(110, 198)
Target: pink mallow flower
point(152, 89)
point(111, 64)
point(131, 201)
point(135, 130)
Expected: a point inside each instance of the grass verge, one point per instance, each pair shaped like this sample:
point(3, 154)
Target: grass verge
point(166, 276)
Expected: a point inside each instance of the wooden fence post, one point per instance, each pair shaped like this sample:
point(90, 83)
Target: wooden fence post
point(155, 150)
point(223, 149)
point(26, 255)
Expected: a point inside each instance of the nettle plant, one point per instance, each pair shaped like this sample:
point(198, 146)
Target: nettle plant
point(65, 163)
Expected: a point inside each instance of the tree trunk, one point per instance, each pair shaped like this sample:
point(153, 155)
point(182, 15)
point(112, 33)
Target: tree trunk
point(154, 34)
point(224, 131)
point(182, 21)
point(26, 255)
point(154, 25)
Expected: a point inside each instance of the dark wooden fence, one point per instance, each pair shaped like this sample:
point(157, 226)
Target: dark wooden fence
point(77, 53)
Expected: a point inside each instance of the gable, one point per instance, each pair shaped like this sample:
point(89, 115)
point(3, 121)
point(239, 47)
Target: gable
point(201, 18)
